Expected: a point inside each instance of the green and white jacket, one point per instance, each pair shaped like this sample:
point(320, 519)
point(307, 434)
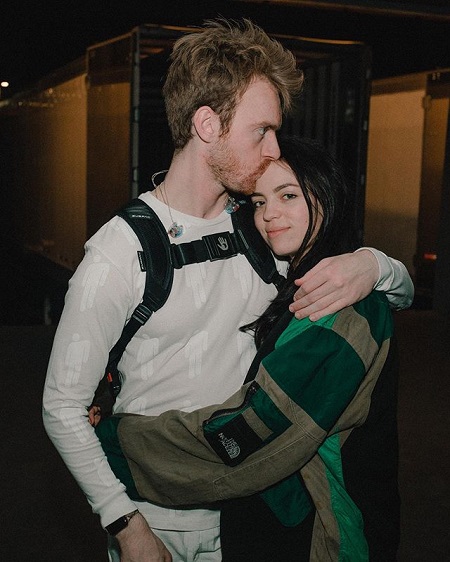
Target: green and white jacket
point(310, 393)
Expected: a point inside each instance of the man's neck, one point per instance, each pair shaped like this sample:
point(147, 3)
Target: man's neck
point(191, 189)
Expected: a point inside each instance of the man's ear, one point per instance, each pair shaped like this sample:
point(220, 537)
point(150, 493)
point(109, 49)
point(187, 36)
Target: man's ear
point(206, 123)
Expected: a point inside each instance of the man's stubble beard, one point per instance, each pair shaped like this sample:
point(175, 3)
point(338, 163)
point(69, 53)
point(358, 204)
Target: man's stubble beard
point(231, 172)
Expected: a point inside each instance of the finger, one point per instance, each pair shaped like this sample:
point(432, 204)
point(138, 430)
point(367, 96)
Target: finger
point(323, 308)
point(326, 290)
point(314, 277)
point(316, 270)
point(299, 294)
point(303, 302)
point(332, 309)
point(308, 286)
point(320, 303)
point(317, 276)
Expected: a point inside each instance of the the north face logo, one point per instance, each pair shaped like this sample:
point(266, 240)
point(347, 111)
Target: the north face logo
point(229, 444)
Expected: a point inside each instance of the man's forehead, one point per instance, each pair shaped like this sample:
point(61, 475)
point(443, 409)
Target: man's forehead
point(261, 103)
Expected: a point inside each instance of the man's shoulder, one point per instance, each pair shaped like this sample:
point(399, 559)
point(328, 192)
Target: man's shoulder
point(116, 231)
point(116, 241)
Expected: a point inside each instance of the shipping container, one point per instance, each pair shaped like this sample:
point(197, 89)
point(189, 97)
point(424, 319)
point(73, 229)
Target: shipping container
point(87, 138)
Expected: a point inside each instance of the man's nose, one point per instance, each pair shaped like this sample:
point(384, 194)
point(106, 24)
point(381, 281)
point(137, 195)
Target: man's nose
point(271, 148)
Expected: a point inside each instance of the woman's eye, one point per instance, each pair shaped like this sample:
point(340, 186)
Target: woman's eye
point(289, 196)
point(257, 204)
point(263, 130)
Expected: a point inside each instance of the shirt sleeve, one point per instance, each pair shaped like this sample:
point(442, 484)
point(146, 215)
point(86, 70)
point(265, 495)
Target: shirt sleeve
point(394, 280)
point(97, 305)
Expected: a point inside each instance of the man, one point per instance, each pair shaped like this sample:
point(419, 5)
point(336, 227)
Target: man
point(225, 92)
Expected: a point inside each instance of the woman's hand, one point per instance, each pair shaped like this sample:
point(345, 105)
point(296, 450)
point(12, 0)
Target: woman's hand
point(94, 415)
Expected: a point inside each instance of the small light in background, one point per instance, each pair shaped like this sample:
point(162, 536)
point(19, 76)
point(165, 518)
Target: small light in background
point(3, 84)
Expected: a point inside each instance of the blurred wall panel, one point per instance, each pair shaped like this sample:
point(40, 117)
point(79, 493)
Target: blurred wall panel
point(394, 165)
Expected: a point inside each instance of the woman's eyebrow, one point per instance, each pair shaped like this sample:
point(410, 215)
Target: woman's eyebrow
point(287, 184)
point(276, 189)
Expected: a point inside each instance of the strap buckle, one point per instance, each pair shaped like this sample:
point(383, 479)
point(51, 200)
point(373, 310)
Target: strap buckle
point(220, 246)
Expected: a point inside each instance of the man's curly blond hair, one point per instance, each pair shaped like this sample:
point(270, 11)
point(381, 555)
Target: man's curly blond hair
point(215, 65)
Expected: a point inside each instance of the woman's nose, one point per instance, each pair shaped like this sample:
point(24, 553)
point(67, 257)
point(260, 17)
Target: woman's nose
point(271, 211)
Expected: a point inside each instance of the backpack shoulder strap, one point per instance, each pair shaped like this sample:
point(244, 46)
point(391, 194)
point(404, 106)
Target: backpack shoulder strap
point(155, 260)
point(254, 248)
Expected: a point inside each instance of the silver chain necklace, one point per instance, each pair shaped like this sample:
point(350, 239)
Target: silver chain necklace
point(176, 230)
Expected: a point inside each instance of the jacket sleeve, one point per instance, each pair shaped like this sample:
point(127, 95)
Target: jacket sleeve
point(317, 381)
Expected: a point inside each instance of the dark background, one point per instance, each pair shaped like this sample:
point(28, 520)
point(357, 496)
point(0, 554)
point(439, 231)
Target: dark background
point(37, 37)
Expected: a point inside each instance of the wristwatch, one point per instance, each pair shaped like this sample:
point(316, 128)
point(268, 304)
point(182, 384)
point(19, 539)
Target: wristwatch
point(119, 524)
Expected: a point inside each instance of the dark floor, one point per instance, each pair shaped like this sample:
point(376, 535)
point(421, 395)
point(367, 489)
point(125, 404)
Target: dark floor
point(46, 519)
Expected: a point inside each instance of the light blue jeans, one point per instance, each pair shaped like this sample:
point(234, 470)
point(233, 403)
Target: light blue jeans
point(185, 546)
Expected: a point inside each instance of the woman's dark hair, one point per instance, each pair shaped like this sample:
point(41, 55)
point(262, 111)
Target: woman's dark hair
point(327, 195)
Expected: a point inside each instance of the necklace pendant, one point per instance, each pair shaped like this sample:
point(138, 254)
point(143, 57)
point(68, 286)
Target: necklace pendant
point(176, 230)
point(232, 205)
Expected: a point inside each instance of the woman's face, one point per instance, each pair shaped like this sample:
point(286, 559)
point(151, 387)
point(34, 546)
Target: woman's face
point(281, 213)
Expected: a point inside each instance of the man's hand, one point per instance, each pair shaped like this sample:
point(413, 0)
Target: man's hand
point(138, 543)
point(335, 283)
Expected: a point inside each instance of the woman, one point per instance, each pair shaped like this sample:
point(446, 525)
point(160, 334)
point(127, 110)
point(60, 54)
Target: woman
point(315, 430)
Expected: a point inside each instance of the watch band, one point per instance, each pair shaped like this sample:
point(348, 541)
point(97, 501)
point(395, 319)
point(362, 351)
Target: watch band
point(119, 524)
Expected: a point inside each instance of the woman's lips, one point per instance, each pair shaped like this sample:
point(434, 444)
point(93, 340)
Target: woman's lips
point(273, 233)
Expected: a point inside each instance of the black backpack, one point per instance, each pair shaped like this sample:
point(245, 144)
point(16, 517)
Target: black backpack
point(159, 258)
